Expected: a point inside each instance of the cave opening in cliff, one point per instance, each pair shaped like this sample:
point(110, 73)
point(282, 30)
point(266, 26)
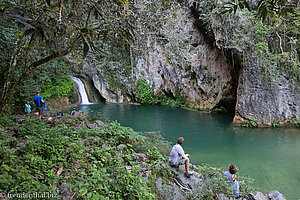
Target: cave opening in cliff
point(225, 106)
point(233, 59)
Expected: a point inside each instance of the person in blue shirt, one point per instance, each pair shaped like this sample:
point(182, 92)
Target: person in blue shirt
point(39, 101)
point(60, 113)
point(230, 175)
point(28, 108)
point(73, 112)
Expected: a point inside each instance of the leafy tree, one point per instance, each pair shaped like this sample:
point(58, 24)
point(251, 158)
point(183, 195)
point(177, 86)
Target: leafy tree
point(41, 31)
point(265, 8)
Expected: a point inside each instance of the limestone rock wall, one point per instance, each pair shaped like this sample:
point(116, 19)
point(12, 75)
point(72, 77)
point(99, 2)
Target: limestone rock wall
point(265, 98)
point(206, 79)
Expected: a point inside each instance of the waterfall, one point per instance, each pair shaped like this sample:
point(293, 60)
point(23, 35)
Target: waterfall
point(83, 94)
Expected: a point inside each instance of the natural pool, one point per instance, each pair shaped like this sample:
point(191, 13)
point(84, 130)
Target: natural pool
point(270, 156)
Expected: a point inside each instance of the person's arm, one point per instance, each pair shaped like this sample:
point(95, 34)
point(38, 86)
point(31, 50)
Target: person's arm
point(234, 177)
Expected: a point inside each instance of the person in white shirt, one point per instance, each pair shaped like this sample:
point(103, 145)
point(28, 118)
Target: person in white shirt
point(178, 157)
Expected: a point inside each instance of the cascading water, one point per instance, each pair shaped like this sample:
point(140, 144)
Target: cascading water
point(83, 94)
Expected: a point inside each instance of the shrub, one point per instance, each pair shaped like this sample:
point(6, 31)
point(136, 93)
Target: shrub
point(250, 124)
point(297, 123)
point(95, 168)
point(144, 92)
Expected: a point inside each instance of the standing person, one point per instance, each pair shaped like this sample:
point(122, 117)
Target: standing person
point(178, 157)
point(39, 101)
point(73, 112)
point(230, 174)
point(27, 107)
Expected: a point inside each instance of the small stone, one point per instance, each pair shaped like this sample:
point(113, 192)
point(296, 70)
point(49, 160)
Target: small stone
point(141, 157)
point(159, 183)
point(260, 196)
point(222, 197)
point(65, 191)
point(100, 123)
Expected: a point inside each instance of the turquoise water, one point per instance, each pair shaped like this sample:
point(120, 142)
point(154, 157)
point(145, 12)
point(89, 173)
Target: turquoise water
point(270, 156)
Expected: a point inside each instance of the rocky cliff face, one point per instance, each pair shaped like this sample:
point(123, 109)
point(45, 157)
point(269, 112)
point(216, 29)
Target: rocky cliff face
point(265, 98)
point(189, 63)
point(206, 81)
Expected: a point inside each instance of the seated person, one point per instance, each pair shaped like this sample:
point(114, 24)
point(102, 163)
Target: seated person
point(230, 174)
point(178, 157)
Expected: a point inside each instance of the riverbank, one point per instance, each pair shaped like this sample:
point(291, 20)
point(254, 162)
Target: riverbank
point(74, 157)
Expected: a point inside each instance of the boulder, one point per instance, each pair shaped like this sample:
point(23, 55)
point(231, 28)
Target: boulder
point(65, 192)
point(141, 157)
point(96, 125)
point(260, 196)
point(275, 195)
point(222, 197)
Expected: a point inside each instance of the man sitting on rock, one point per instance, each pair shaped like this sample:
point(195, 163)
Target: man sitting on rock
point(178, 157)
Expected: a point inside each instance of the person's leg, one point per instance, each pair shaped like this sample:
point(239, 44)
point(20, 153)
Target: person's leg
point(187, 163)
point(40, 113)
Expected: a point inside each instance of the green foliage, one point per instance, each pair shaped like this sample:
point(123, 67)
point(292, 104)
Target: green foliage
point(154, 139)
point(56, 81)
point(98, 164)
point(144, 92)
point(112, 81)
point(214, 183)
point(191, 106)
point(270, 44)
point(57, 88)
point(276, 124)
point(297, 123)
point(6, 121)
point(250, 123)
point(271, 8)
point(179, 101)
